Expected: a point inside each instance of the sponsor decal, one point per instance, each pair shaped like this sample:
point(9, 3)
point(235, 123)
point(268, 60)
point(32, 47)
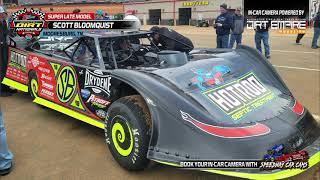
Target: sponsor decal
point(277, 159)
point(28, 23)
point(44, 70)
point(97, 82)
point(35, 61)
point(207, 79)
point(18, 60)
point(55, 67)
point(85, 93)
point(66, 84)
point(77, 103)
point(241, 96)
point(45, 77)
point(256, 129)
point(98, 101)
point(101, 113)
point(47, 93)
point(136, 154)
point(47, 85)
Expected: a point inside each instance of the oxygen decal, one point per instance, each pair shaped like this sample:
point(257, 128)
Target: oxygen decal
point(66, 84)
point(241, 96)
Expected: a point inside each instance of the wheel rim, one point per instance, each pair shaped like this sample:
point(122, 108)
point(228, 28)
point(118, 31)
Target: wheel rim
point(34, 87)
point(122, 136)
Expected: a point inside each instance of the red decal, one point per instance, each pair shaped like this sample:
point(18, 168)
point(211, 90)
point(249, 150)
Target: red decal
point(69, 16)
point(297, 108)
point(228, 132)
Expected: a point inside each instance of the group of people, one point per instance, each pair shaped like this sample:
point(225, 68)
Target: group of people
point(229, 29)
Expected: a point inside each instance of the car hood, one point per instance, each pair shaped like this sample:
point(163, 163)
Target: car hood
point(232, 87)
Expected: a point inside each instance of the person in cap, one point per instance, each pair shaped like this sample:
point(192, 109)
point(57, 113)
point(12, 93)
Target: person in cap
point(5, 154)
point(171, 40)
point(238, 23)
point(4, 33)
point(223, 24)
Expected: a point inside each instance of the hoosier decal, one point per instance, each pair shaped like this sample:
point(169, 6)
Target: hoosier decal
point(97, 82)
point(240, 97)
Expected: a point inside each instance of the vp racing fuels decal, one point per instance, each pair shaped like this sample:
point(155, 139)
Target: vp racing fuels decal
point(241, 96)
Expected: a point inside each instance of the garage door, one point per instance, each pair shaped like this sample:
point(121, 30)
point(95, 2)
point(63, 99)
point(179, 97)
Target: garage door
point(184, 16)
point(154, 16)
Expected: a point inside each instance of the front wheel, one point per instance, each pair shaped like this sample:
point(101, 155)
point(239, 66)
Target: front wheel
point(127, 131)
point(33, 85)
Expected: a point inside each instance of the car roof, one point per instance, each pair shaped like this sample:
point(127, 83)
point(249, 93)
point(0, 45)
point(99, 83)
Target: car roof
point(112, 34)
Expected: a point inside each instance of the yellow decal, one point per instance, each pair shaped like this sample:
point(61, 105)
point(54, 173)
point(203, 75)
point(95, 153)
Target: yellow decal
point(77, 102)
point(195, 3)
point(15, 84)
point(55, 67)
point(69, 112)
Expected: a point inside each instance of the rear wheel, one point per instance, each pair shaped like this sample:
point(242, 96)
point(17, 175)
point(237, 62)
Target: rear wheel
point(128, 132)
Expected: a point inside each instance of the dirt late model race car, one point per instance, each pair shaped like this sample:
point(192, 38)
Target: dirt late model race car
point(167, 106)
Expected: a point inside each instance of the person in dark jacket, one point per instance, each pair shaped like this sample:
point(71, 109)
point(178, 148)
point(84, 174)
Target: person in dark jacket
point(223, 26)
point(316, 34)
point(171, 40)
point(4, 32)
point(262, 34)
point(237, 28)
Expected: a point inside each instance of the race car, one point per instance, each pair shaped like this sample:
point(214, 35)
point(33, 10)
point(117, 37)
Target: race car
point(168, 106)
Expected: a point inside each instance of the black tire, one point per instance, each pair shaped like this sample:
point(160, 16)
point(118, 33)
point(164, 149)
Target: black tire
point(33, 84)
point(129, 146)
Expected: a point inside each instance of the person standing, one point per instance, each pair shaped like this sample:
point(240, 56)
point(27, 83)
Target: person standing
point(316, 34)
point(223, 25)
point(5, 154)
point(4, 32)
point(237, 28)
point(262, 34)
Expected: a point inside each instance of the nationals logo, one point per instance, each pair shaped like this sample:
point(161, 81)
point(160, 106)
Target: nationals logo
point(28, 23)
point(97, 82)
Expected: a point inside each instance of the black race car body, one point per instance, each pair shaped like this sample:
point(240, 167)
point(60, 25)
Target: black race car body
point(211, 104)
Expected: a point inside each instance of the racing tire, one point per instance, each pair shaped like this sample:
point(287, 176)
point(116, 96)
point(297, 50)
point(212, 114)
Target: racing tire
point(33, 85)
point(127, 130)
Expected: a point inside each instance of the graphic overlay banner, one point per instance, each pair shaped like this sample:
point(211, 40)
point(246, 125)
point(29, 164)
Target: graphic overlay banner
point(287, 17)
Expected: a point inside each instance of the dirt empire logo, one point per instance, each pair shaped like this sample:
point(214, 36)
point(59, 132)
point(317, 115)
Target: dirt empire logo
point(28, 23)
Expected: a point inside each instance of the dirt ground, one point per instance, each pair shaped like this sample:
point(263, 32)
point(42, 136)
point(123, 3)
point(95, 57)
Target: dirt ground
point(50, 145)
